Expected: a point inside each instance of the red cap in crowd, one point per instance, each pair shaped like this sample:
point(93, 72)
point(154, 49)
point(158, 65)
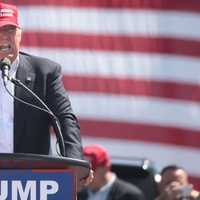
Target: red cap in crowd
point(8, 15)
point(97, 155)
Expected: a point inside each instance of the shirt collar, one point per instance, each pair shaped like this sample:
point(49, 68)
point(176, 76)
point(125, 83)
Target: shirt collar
point(14, 66)
point(106, 187)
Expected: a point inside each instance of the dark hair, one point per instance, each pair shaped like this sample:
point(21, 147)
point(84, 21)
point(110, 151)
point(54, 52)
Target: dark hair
point(170, 167)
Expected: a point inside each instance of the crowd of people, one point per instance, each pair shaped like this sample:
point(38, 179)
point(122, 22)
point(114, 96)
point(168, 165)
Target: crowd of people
point(106, 185)
point(173, 185)
point(174, 182)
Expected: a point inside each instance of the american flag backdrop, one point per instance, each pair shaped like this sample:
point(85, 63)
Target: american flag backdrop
point(132, 71)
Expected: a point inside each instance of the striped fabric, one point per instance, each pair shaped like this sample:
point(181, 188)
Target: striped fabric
point(132, 70)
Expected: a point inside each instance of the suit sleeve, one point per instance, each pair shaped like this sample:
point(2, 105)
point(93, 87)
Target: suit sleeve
point(59, 103)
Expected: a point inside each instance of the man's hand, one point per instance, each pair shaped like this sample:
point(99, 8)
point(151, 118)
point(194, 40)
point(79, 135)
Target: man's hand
point(176, 191)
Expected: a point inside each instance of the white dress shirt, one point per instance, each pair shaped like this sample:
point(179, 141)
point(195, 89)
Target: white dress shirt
point(7, 113)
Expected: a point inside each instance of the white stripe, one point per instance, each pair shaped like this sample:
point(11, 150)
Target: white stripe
point(137, 109)
point(160, 154)
point(111, 21)
point(124, 65)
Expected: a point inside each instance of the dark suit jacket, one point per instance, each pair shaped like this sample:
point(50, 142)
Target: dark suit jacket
point(120, 190)
point(31, 126)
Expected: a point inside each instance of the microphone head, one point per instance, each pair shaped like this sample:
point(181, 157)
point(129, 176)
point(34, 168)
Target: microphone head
point(5, 62)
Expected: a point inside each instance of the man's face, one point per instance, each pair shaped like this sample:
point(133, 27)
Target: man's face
point(10, 38)
point(170, 176)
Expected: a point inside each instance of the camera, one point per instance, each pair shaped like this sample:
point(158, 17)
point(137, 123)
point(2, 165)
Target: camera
point(185, 191)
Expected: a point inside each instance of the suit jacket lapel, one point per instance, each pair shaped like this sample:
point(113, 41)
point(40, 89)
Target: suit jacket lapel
point(26, 76)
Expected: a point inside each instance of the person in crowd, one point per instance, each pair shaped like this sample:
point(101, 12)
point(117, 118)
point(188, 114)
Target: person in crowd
point(175, 185)
point(24, 129)
point(106, 185)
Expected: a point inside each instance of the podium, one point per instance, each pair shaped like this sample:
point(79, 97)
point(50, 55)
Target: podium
point(29, 174)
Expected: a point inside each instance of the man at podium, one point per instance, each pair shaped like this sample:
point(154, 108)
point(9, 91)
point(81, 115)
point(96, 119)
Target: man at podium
point(23, 127)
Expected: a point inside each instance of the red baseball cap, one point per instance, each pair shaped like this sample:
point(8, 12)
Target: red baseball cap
point(8, 15)
point(97, 155)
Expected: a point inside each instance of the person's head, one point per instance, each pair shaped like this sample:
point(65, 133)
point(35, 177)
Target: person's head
point(172, 173)
point(10, 31)
point(101, 164)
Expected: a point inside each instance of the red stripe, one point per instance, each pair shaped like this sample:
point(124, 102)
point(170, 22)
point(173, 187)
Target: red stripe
point(140, 132)
point(112, 43)
point(138, 87)
point(195, 181)
point(185, 5)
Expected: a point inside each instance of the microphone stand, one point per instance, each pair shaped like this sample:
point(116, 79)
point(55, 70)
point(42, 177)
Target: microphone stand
point(55, 121)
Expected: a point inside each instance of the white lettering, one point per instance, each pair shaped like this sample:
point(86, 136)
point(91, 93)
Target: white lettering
point(6, 13)
point(30, 188)
point(46, 188)
point(4, 190)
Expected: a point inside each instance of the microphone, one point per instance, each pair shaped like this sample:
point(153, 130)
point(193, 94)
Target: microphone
point(5, 67)
point(44, 108)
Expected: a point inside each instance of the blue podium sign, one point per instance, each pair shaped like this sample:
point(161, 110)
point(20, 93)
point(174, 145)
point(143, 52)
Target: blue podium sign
point(20, 184)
